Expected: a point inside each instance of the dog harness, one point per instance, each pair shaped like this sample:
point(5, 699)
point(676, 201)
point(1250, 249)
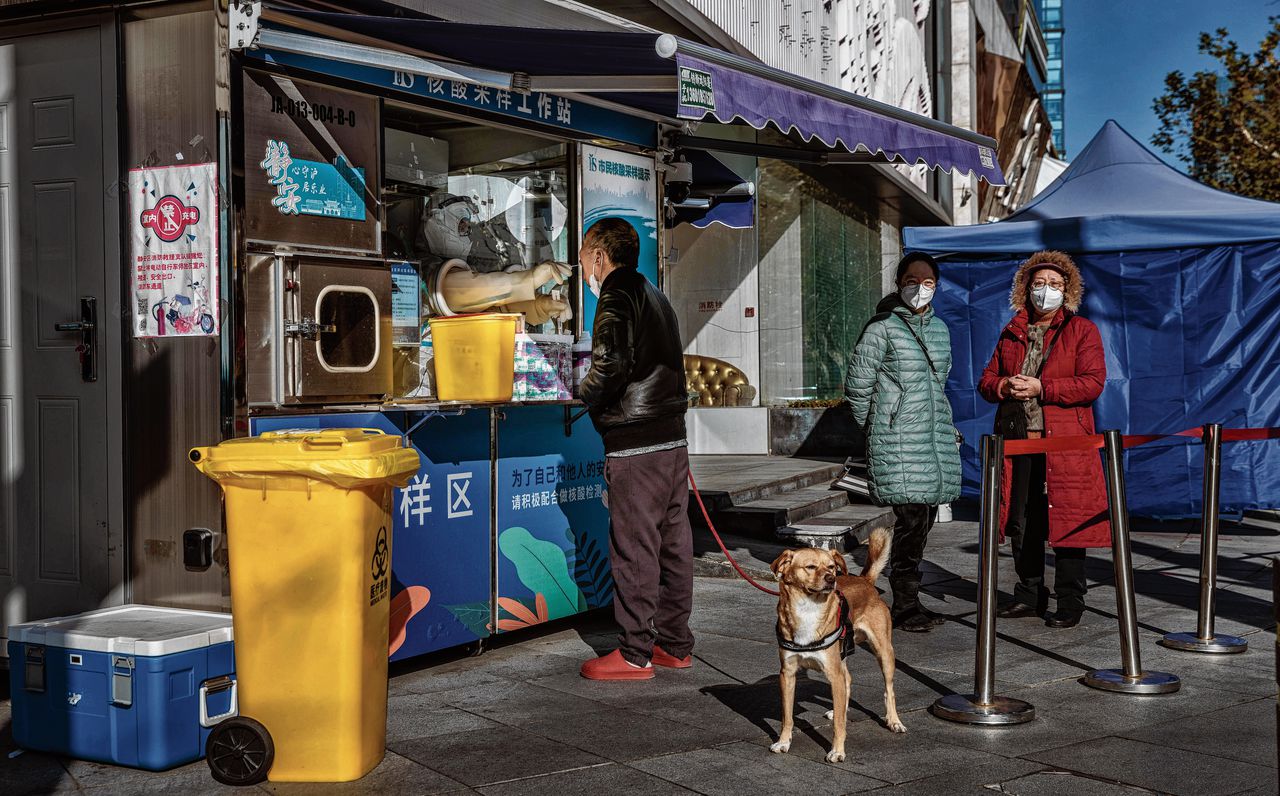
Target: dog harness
point(841, 633)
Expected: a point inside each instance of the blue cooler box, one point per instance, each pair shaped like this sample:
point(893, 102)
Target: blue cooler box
point(136, 685)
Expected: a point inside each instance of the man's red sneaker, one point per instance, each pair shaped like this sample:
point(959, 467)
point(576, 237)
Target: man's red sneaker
point(614, 667)
point(663, 658)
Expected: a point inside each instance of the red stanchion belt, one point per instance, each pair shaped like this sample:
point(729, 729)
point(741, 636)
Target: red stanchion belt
point(1022, 447)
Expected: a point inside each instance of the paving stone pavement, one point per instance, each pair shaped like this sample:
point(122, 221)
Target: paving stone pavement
point(519, 720)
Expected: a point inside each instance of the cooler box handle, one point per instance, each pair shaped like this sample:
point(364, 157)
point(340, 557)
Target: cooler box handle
point(121, 681)
point(34, 669)
point(216, 686)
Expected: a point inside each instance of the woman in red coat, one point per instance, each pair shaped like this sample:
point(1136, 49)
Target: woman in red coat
point(1047, 370)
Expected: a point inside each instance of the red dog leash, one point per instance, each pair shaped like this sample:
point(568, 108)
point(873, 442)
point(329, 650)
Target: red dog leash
point(720, 541)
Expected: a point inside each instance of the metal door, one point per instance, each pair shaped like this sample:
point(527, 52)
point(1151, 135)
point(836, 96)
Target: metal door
point(59, 330)
point(340, 332)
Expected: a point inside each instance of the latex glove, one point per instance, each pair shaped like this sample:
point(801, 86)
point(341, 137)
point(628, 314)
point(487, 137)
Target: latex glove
point(551, 271)
point(542, 309)
point(466, 291)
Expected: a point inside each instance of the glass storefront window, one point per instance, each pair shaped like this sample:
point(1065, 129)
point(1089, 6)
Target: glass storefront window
point(820, 281)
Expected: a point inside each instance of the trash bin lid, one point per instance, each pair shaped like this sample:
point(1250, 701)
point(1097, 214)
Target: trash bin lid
point(129, 630)
point(346, 457)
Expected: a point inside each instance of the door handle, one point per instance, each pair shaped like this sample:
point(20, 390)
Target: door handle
point(308, 328)
point(87, 326)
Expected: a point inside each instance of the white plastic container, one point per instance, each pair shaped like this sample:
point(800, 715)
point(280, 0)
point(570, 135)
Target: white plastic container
point(581, 361)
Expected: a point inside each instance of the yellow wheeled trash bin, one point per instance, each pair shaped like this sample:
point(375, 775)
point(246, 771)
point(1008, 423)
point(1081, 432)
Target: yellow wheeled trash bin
point(309, 542)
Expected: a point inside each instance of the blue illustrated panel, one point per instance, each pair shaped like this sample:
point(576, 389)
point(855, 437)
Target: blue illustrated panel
point(329, 190)
point(440, 551)
point(553, 528)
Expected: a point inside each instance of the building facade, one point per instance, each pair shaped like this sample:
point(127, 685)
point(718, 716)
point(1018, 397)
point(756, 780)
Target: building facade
point(785, 301)
point(998, 65)
point(100, 405)
point(1055, 90)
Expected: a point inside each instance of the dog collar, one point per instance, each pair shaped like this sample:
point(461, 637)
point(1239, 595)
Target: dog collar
point(822, 643)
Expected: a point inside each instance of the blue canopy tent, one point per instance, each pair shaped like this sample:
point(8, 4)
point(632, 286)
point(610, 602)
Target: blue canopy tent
point(1184, 284)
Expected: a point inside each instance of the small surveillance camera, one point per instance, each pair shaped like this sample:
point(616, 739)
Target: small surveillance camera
point(679, 180)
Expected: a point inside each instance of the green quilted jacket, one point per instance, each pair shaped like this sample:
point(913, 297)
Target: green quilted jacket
point(911, 443)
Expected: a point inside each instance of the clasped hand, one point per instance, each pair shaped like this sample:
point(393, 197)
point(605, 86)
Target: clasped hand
point(1022, 387)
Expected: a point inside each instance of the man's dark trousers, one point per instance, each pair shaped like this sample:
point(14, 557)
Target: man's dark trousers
point(651, 550)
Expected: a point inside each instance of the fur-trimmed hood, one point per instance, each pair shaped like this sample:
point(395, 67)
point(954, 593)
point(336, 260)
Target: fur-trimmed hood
point(1058, 261)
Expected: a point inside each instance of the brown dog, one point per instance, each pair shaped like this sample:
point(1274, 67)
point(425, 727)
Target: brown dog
point(810, 618)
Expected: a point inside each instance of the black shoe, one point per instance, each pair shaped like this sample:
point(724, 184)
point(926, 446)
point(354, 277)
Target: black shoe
point(1016, 610)
point(916, 623)
point(1063, 619)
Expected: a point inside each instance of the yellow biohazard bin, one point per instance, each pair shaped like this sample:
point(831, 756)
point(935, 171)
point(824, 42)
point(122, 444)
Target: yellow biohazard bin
point(475, 356)
point(309, 542)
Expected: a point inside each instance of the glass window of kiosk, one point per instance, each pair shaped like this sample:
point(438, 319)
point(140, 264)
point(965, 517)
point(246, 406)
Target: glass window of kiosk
point(464, 200)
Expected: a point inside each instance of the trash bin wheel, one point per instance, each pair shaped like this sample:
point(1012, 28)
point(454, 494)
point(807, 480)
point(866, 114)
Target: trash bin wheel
point(239, 752)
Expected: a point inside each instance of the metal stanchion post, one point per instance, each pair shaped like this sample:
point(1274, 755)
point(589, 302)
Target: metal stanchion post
point(1204, 639)
point(1275, 610)
point(1130, 679)
point(983, 706)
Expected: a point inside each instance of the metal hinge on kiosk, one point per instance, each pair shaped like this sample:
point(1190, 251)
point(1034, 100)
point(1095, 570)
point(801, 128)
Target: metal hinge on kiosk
point(121, 681)
point(242, 25)
point(34, 672)
point(308, 328)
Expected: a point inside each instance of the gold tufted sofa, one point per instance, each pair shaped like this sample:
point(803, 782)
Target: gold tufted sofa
point(716, 382)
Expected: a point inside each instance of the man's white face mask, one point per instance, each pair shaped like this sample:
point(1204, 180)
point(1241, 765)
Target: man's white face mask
point(593, 282)
point(1046, 298)
point(916, 296)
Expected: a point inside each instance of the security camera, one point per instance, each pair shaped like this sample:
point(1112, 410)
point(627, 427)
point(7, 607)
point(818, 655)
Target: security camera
point(679, 180)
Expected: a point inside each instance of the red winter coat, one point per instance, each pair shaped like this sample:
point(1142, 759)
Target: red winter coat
point(1071, 380)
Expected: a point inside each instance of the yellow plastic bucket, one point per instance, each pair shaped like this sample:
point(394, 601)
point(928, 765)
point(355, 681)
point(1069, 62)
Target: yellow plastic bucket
point(475, 356)
point(309, 548)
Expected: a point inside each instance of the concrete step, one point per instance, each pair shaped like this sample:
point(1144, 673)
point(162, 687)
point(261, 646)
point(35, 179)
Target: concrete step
point(844, 528)
point(737, 480)
point(762, 518)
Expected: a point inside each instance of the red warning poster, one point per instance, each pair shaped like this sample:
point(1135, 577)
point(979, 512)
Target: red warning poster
point(174, 221)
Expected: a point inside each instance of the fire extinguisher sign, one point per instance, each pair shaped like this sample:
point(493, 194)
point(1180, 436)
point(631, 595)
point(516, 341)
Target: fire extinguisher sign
point(173, 214)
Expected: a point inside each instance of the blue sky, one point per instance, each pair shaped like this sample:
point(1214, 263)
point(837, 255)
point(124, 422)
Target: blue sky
point(1118, 52)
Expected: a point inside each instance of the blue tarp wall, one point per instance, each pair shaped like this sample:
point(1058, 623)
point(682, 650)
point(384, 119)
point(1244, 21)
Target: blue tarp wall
point(1184, 283)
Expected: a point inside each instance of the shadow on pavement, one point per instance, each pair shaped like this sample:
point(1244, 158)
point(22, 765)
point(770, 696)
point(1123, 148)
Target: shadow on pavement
point(760, 701)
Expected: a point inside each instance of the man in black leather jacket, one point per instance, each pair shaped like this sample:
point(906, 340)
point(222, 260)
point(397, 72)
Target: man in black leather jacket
point(637, 396)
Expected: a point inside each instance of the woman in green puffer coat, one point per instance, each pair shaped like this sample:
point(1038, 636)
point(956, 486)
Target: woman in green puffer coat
point(895, 386)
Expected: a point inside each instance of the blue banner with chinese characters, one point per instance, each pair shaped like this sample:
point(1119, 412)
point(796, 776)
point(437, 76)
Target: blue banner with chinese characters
point(553, 527)
point(620, 185)
point(539, 107)
point(440, 547)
